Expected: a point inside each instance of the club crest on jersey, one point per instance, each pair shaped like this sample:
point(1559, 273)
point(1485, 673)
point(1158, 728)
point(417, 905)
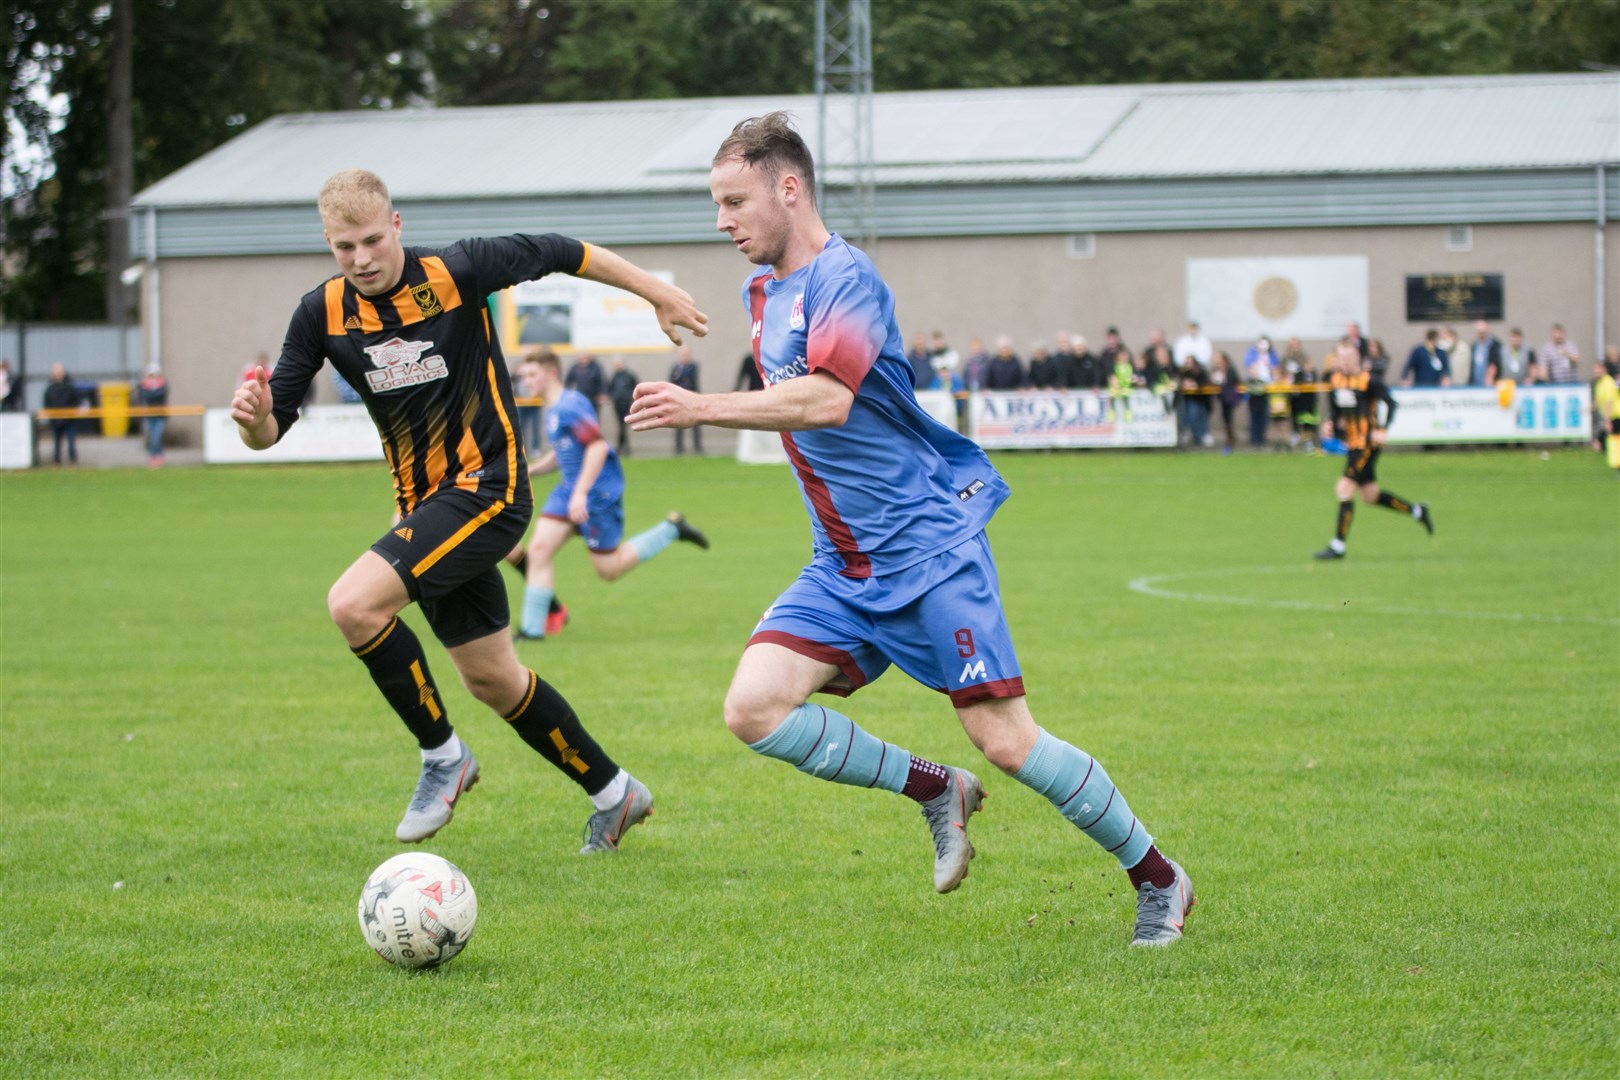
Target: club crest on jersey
point(796, 317)
point(400, 363)
point(426, 300)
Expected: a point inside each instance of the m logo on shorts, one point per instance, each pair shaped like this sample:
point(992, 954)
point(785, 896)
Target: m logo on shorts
point(972, 671)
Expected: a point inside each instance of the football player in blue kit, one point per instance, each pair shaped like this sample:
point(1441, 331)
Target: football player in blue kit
point(901, 571)
point(588, 500)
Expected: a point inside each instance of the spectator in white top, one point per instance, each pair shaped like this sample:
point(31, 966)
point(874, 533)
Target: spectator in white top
point(1193, 344)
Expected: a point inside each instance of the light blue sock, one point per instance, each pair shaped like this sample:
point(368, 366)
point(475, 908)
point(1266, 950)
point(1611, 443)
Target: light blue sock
point(536, 602)
point(654, 540)
point(1076, 784)
point(822, 743)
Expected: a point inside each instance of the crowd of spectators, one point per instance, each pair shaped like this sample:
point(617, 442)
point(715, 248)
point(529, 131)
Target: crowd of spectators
point(1262, 398)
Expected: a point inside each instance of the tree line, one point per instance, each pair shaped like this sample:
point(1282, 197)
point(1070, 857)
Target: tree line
point(104, 97)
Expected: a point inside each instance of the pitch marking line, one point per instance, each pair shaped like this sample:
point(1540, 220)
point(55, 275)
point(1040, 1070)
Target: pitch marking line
point(1151, 585)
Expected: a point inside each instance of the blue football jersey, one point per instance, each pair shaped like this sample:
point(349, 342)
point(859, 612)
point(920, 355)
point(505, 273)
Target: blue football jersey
point(892, 486)
point(571, 426)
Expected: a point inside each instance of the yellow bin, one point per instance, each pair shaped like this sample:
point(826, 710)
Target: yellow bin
point(115, 400)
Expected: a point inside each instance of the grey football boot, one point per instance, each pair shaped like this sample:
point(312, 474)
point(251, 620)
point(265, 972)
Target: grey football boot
point(434, 802)
point(1161, 913)
point(605, 828)
point(947, 814)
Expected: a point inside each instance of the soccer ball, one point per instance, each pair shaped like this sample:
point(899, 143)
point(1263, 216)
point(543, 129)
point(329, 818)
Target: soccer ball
point(417, 910)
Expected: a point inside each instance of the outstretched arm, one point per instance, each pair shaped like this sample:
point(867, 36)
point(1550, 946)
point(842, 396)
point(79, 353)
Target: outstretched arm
point(673, 305)
point(817, 400)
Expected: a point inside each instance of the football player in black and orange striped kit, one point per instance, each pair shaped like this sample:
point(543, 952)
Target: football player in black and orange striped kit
point(409, 329)
point(1354, 417)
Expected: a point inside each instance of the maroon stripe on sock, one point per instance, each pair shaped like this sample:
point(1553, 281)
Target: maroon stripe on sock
point(882, 756)
point(1099, 817)
point(1076, 791)
point(1127, 839)
point(849, 744)
point(818, 737)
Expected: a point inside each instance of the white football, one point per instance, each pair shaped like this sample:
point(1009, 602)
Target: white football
point(417, 910)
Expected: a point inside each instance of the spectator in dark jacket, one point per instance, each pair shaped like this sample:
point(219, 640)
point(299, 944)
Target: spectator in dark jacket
point(1088, 368)
point(153, 392)
point(1004, 371)
point(587, 377)
point(62, 394)
point(622, 392)
point(684, 373)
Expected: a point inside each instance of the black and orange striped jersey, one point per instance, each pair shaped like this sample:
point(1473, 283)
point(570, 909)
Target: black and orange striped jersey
point(427, 363)
point(1354, 400)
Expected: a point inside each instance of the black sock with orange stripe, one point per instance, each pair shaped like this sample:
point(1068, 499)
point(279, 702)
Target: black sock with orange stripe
point(1347, 512)
point(547, 723)
point(399, 668)
point(1394, 502)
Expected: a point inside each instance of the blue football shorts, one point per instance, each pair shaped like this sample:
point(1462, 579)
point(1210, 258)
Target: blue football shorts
point(603, 530)
point(939, 621)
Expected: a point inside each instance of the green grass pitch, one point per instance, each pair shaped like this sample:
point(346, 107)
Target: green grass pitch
point(1394, 780)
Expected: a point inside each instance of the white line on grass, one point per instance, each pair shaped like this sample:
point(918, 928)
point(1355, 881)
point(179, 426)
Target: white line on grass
point(1148, 585)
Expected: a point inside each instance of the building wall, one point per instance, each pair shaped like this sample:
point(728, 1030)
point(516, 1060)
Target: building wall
point(217, 313)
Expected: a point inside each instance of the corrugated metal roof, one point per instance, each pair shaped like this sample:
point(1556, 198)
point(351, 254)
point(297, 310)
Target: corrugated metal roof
point(1373, 126)
point(938, 137)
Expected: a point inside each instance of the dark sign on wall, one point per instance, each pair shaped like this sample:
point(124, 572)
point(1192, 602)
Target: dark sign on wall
point(1439, 297)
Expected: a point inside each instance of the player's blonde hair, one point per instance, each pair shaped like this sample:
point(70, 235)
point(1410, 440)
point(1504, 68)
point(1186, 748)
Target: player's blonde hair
point(354, 196)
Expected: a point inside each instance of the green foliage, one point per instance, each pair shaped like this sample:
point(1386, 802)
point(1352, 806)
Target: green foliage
point(1393, 780)
point(208, 69)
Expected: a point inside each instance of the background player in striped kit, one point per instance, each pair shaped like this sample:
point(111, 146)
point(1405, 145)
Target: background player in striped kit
point(1360, 408)
point(901, 572)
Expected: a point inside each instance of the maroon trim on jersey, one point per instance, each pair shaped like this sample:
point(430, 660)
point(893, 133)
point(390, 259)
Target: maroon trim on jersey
point(857, 563)
point(972, 695)
point(756, 308)
point(815, 650)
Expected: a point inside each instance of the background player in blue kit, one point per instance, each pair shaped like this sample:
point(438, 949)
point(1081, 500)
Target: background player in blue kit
point(901, 572)
point(409, 329)
point(589, 500)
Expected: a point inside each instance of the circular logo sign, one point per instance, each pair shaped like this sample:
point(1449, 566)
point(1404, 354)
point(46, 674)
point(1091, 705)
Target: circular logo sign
point(1275, 298)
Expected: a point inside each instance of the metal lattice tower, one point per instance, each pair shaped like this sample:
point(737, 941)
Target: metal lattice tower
point(846, 171)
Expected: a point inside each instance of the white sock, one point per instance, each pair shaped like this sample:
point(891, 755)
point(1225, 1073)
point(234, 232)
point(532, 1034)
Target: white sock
point(609, 797)
point(450, 751)
point(1337, 545)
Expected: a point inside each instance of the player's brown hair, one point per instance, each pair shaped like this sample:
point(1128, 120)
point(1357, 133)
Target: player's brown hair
point(544, 357)
point(353, 195)
point(770, 143)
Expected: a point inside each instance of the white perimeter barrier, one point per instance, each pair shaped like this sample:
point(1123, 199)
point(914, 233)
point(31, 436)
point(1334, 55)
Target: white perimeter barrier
point(1028, 419)
point(323, 433)
point(16, 440)
point(1486, 415)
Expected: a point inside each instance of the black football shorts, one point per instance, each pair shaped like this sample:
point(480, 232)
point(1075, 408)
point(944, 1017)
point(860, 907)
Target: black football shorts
point(448, 552)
